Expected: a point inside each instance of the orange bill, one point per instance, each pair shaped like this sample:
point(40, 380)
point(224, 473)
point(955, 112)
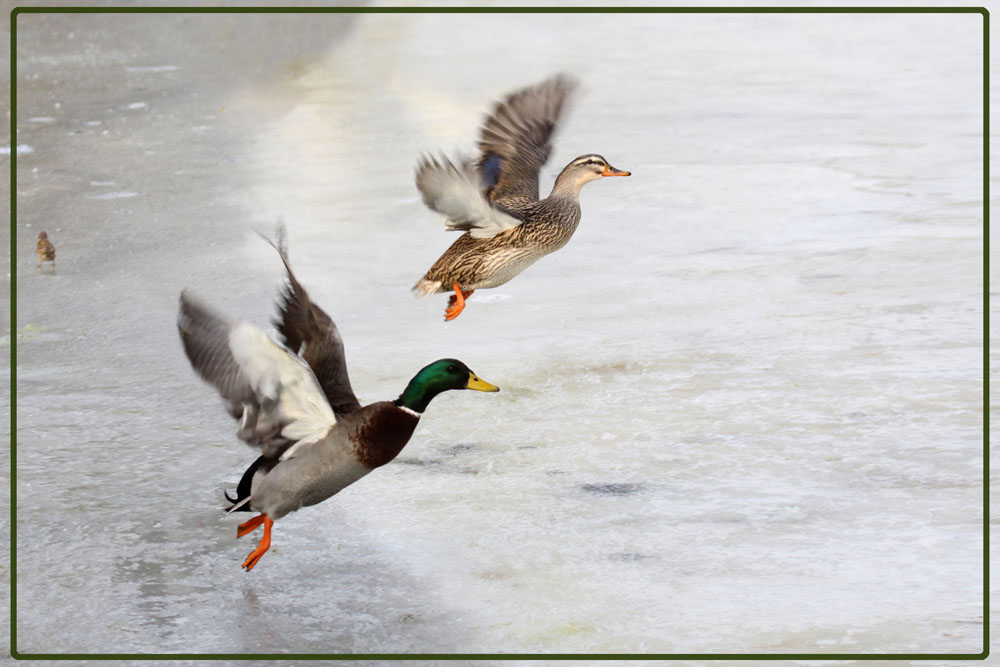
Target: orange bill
point(611, 171)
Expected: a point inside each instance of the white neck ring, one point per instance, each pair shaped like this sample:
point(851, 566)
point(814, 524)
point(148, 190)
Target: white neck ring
point(409, 411)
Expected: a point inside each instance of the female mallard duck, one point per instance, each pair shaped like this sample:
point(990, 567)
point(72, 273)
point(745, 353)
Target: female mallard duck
point(46, 251)
point(495, 200)
point(295, 404)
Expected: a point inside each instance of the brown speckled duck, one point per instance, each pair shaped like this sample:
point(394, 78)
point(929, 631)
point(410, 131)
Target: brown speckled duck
point(295, 403)
point(46, 251)
point(494, 200)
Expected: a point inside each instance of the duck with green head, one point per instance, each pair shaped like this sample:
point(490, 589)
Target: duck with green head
point(295, 404)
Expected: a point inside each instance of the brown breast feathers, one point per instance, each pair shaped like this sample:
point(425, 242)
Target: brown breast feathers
point(381, 433)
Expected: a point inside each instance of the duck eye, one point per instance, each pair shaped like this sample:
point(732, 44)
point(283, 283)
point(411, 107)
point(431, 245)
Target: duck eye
point(453, 368)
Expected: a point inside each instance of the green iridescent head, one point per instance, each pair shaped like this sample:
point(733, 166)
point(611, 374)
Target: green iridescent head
point(442, 375)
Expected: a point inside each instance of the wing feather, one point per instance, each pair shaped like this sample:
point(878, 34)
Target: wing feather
point(309, 331)
point(455, 192)
point(273, 394)
point(515, 139)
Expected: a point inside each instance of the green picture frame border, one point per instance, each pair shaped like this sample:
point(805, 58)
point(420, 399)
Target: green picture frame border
point(17, 11)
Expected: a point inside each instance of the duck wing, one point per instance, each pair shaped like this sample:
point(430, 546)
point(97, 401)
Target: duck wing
point(515, 139)
point(274, 396)
point(455, 192)
point(310, 332)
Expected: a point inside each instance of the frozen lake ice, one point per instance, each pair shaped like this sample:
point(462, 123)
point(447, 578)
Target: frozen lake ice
point(741, 410)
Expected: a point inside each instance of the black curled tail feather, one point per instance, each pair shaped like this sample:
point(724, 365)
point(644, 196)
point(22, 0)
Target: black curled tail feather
point(233, 508)
point(246, 482)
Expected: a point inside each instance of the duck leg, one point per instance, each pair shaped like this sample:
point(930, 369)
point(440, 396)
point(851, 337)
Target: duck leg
point(249, 526)
point(456, 304)
point(265, 541)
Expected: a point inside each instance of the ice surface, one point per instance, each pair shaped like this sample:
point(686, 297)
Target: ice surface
point(22, 149)
point(113, 195)
point(152, 68)
point(741, 411)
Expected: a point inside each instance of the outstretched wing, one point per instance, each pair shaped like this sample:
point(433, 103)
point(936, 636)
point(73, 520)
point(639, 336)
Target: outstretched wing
point(272, 394)
point(515, 139)
point(455, 192)
point(309, 331)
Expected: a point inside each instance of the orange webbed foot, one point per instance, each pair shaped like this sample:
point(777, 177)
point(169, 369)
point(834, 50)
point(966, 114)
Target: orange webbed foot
point(250, 526)
point(456, 304)
point(262, 546)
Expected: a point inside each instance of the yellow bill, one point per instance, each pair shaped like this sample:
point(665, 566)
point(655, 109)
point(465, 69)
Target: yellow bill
point(480, 385)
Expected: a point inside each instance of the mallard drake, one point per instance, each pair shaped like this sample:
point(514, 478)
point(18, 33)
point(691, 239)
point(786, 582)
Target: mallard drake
point(294, 402)
point(494, 200)
point(46, 251)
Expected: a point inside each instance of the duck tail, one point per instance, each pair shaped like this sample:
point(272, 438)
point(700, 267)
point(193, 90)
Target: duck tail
point(238, 505)
point(241, 503)
point(425, 287)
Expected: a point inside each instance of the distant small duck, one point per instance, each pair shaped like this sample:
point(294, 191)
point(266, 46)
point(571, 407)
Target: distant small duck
point(46, 251)
point(295, 404)
point(495, 200)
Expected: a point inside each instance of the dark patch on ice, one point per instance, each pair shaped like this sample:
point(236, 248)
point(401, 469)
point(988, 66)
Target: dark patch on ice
point(419, 462)
point(444, 455)
point(627, 557)
point(612, 489)
point(725, 248)
point(813, 277)
point(613, 368)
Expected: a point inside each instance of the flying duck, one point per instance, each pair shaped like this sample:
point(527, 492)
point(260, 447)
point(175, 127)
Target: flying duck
point(293, 401)
point(494, 200)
